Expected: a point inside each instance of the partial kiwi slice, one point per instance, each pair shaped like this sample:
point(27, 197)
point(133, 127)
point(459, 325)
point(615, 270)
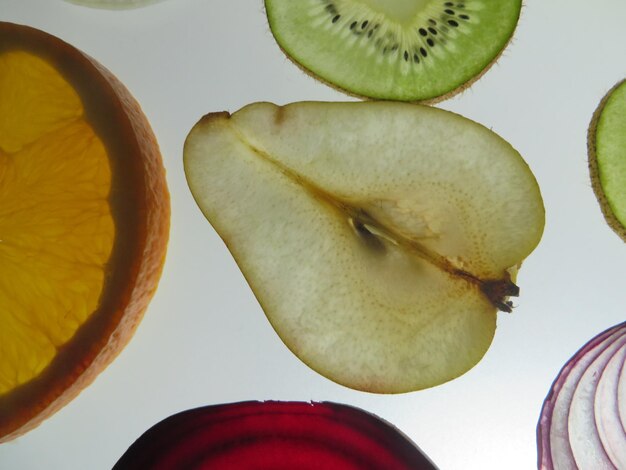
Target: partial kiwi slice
point(607, 157)
point(409, 50)
point(114, 4)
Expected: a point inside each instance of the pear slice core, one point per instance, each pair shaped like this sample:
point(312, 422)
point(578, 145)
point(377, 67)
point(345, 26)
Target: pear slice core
point(379, 238)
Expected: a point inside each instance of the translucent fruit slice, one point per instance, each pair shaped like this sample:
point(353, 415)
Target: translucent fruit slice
point(580, 426)
point(114, 4)
point(607, 157)
point(274, 435)
point(379, 238)
point(83, 222)
point(410, 50)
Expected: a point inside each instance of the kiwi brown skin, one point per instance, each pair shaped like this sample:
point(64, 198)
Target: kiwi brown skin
point(429, 101)
point(594, 171)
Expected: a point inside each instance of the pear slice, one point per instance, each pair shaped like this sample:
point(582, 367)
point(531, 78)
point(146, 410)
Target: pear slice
point(379, 238)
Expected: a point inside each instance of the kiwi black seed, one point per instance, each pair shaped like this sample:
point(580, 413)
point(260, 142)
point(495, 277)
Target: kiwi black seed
point(412, 50)
point(450, 11)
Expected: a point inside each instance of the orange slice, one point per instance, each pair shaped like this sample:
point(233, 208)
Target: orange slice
point(84, 223)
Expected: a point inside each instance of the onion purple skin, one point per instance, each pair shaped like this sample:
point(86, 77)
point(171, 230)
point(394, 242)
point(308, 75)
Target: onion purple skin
point(286, 435)
point(588, 365)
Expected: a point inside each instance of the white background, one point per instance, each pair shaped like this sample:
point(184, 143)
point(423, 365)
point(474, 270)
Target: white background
point(205, 340)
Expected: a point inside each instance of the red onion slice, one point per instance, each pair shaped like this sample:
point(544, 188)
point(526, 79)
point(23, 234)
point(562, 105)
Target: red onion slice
point(621, 396)
point(276, 435)
point(568, 436)
point(552, 433)
point(583, 434)
point(606, 410)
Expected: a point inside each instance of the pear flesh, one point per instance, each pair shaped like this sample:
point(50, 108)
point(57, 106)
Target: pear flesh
point(379, 238)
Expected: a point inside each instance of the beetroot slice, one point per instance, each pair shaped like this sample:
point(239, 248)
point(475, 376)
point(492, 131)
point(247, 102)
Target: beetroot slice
point(274, 436)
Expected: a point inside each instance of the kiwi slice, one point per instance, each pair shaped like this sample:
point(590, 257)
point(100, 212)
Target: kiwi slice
point(113, 4)
point(409, 50)
point(607, 157)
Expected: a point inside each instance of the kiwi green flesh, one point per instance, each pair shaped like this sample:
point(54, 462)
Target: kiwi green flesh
point(398, 49)
point(607, 153)
point(348, 221)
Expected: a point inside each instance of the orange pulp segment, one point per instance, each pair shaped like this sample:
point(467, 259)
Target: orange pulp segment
point(56, 228)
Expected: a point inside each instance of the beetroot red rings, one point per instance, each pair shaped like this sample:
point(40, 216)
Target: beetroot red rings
point(274, 436)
